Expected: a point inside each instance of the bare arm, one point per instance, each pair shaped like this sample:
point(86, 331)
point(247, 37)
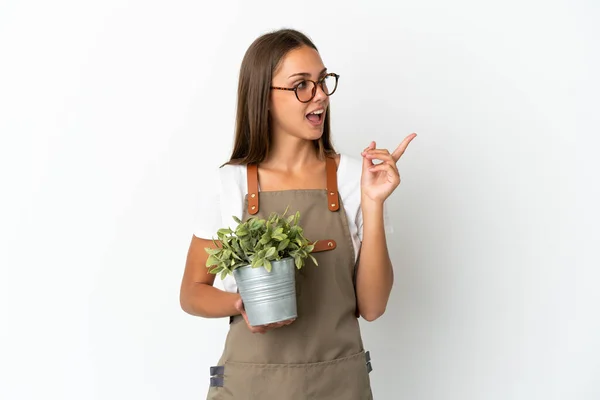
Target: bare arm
point(375, 275)
point(198, 296)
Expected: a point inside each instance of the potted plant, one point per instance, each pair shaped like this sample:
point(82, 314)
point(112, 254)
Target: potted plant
point(262, 255)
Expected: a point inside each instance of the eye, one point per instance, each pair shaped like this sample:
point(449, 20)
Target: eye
point(301, 85)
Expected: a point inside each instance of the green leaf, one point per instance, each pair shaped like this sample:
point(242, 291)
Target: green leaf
point(212, 260)
point(271, 252)
point(280, 237)
point(283, 245)
point(236, 245)
point(242, 231)
point(256, 224)
point(236, 219)
point(268, 265)
point(211, 251)
point(298, 262)
point(224, 231)
point(266, 238)
point(224, 274)
point(314, 259)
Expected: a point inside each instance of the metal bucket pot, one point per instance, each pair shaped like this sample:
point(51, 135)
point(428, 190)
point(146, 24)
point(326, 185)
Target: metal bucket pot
point(268, 296)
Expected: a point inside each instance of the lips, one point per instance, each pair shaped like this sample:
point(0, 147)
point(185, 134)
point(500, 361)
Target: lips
point(316, 117)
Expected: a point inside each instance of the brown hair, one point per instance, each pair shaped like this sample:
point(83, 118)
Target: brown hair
point(253, 125)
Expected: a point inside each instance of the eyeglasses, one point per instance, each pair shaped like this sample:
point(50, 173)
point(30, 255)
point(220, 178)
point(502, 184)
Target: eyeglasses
point(307, 89)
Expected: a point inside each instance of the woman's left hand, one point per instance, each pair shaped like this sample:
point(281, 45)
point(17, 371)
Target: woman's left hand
point(379, 181)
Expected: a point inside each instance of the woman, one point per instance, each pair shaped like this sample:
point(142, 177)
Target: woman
point(283, 151)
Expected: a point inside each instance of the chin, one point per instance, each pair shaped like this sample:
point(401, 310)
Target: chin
point(315, 131)
point(308, 133)
point(316, 135)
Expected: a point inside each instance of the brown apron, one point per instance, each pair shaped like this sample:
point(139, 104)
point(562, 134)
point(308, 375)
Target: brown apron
point(320, 355)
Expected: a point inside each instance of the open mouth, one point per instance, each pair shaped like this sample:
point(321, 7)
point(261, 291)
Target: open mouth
point(316, 117)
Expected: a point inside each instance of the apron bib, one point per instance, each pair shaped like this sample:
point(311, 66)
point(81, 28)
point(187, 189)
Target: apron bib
point(320, 355)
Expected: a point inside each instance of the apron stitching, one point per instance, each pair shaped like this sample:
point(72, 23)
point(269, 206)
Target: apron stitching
point(305, 365)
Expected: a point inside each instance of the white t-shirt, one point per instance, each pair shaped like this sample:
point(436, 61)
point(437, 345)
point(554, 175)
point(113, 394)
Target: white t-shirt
point(227, 187)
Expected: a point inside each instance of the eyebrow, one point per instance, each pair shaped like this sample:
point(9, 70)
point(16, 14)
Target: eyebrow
point(307, 74)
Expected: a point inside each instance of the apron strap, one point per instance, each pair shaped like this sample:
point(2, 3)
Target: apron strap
point(332, 186)
point(252, 171)
point(333, 199)
point(324, 245)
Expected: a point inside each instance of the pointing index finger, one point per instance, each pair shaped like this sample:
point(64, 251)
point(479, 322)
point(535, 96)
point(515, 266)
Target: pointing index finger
point(402, 147)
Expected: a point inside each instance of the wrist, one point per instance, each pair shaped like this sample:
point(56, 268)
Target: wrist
point(369, 203)
point(372, 211)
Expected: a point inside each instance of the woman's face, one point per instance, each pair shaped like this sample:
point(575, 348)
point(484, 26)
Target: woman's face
point(288, 115)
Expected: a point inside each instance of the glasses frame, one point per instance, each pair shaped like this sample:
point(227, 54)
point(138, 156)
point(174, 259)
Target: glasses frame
point(315, 84)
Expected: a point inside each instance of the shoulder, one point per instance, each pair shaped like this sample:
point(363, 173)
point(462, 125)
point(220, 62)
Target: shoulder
point(349, 168)
point(349, 173)
point(231, 173)
point(232, 188)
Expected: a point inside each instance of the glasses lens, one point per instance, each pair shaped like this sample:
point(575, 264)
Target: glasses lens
point(329, 84)
point(305, 90)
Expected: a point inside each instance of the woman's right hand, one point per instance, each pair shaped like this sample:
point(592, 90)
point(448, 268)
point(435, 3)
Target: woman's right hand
point(239, 305)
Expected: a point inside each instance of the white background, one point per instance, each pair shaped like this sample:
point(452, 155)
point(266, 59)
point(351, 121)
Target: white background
point(112, 112)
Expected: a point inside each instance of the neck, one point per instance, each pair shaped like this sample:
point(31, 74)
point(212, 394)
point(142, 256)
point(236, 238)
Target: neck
point(289, 153)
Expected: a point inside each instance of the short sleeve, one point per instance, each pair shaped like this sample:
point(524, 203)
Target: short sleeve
point(387, 223)
point(207, 220)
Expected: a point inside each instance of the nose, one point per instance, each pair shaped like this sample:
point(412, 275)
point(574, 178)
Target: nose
point(319, 94)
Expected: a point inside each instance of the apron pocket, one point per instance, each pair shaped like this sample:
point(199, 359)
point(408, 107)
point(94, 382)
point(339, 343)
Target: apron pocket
point(345, 378)
point(263, 381)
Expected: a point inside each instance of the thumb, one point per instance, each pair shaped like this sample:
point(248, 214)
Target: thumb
point(239, 305)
